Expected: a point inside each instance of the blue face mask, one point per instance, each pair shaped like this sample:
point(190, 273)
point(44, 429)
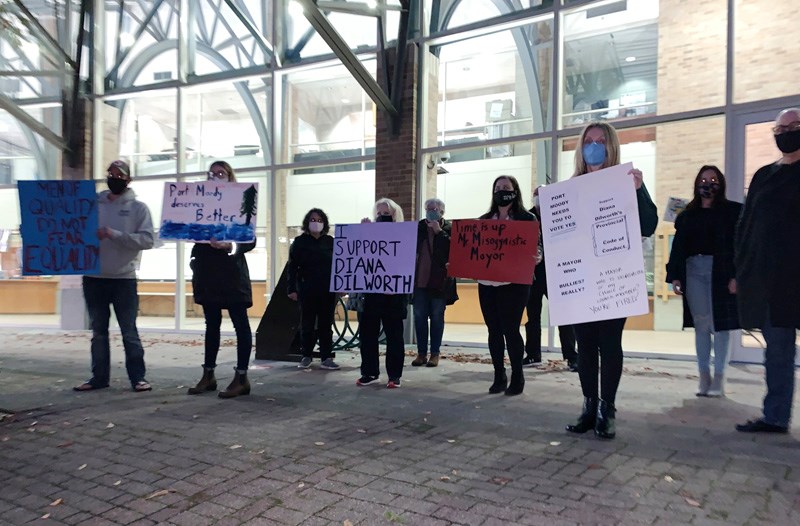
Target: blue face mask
point(432, 215)
point(594, 154)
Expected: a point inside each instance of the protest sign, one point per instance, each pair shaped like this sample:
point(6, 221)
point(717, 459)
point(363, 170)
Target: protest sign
point(494, 250)
point(202, 211)
point(374, 258)
point(59, 227)
point(593, 247)
point(675, 205)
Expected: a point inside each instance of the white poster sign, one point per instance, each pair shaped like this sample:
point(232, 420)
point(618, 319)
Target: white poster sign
point(202, 211)
point(593, 249)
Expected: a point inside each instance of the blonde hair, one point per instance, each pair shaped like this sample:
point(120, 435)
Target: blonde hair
point(612, 147)
point(397, 212)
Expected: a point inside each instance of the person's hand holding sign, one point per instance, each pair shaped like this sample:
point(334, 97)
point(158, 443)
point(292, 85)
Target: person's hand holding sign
point(103, 233)
point(221, 245)
point(637, 177)
point(434, 226)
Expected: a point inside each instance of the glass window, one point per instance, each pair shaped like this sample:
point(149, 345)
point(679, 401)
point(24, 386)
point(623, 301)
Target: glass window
point(765, 40)
point(448, 14)
point(18, 147)
point(493, 86)
point(143, 129)
point(329, 116)
point(228, 121)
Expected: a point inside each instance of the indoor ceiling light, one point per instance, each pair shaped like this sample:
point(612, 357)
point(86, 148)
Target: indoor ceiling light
point(630, 59)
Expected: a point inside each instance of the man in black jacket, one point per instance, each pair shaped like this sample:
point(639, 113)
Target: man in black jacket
point(433, 290)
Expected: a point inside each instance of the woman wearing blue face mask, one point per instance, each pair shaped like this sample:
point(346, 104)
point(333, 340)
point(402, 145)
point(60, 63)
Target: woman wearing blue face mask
point(600, 342)
point(434, 289)
point(387, 309)
point(701, 269)
point(221, 280)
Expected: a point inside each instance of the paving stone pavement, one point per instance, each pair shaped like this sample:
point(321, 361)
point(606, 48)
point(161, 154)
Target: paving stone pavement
point(311, 448)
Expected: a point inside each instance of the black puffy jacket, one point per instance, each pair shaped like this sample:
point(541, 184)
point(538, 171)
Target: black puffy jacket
point(219, 278)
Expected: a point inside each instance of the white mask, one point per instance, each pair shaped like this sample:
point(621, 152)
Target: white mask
point(315, 227)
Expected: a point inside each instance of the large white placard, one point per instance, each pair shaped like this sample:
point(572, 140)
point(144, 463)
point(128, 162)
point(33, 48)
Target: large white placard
point(593, 249)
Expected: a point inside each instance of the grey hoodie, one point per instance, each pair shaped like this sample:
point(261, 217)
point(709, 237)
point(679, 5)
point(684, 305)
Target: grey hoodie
point(131, 232)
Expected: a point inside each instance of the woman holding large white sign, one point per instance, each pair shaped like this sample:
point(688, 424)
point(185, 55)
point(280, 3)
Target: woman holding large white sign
point(598, 148)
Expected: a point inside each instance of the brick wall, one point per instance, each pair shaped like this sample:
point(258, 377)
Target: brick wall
point(396, 155)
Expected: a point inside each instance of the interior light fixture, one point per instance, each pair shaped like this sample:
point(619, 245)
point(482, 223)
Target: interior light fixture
point(630, 59)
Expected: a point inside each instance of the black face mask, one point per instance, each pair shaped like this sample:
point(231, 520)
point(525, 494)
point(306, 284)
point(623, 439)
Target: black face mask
point(117, 186)
point(384, 219)
point(708, 190)
point(788, 142)
point(504, 197)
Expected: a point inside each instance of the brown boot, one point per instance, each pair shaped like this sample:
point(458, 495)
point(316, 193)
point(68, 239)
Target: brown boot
point(421, 359)
point(434, 361)
point(240, 385)
point(206, 383)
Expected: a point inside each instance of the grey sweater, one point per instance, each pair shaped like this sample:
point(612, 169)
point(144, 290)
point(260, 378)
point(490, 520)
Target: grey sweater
point(131, 232)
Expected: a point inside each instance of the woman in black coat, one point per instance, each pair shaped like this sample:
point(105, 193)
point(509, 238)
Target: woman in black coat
point(309, 283)
point(221, 280)
point(701, 269)
point(502, 304)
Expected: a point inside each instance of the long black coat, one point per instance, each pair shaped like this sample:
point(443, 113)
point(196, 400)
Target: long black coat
point(440, 284)
point(219, 278)
point(768, 249)
point(722, 271)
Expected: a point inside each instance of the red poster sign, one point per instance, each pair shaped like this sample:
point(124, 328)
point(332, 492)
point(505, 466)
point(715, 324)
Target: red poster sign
point(494, 250)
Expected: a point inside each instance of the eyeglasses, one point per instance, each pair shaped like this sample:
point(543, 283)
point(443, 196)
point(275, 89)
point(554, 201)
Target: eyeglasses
point(218, 175)
point(792, 126)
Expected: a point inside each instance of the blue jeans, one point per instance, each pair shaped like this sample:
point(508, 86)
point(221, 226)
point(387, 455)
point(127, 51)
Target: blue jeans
point(121, 293)
point(698, 296)
point(779, 365)
point(244, 336)
point(426, 306)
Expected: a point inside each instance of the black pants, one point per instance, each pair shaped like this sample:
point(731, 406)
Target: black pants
point(316, 321)
point(244, 336)
point(502, 309)
point(600, 343)
point(381, 308)
point(533, 327)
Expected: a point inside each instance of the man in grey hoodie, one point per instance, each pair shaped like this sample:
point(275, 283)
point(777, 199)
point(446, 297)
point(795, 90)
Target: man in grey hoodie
point(126, 229)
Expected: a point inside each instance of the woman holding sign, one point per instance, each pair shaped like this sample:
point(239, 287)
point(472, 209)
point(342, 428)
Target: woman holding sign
point(701, 269)
point(221, 280)
point(600, 342)
point(502, 304)
point(387, 309)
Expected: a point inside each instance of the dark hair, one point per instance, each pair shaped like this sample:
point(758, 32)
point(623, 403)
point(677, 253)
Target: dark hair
point(517, 204)
point(719, 198)
point(325, 224)
point(225, 166)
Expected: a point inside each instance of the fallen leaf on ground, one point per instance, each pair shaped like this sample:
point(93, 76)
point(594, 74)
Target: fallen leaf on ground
point(692, 502)
point(450, 440)
point(387, 441)
point(502, 481)
point(159, 493)
point(46, 516)
point(555, 443)
point(117, 483)
point(455, 472)
point(347, 523)
point(110, 425)
point(319, 443)
point(361, 430)
point(668, 478)
point(82, 466)
point(57, 502)
point(444, 478)
point(65, 444)
point(301, 485)
point(235, 446)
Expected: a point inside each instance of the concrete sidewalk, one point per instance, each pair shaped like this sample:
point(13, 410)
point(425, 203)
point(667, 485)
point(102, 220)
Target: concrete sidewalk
point(309, 447)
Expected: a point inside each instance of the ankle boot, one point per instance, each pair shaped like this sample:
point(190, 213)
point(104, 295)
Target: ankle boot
point(206, 383)
point(240, 385)
point(587, 419)
point(605, 426)
point(517, 383)
point(500, 381)
point(705, 383)
point(717, 387)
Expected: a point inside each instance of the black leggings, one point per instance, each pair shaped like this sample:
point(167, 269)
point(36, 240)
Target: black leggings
point(244, 337)
point(600, 343)
point(502, 309)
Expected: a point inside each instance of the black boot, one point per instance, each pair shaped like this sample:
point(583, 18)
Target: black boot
point(206, 383)
point(605, 426)
point(500, 381)
point(517, 383)
point(240, 385)
point(587, 419)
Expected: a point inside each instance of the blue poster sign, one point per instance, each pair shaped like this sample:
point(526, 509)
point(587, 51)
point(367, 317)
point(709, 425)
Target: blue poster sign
point(59, 227)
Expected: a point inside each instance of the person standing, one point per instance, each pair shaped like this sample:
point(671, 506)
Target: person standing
point(533, 327)
point(126, 229)
point(701, 269)
point(388, 310)
point(309, 283)
point(767, 281)
point(600, 342)
point(434, 288)
point(502, 303)
point(221, 280)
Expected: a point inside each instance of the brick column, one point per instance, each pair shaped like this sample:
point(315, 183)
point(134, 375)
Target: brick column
point(396, 155)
